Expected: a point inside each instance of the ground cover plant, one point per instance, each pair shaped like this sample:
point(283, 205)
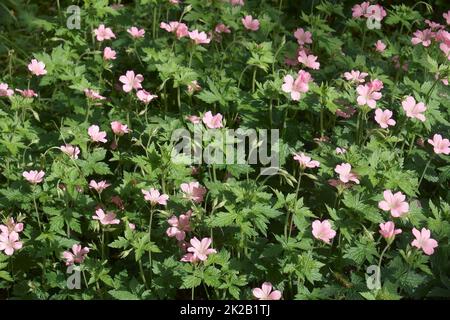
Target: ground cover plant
point(95, 204)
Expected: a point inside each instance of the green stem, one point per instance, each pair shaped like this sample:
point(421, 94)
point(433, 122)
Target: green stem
point(36, 208)
point(149, 240)
point(425, 170)
point(141, 271)
point(254, 80)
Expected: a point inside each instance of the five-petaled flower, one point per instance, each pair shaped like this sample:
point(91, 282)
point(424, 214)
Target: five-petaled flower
point(395, 203)
point(424, 241)
point(155, 197)
point(77, 255)
point(266, 293)
point(322, 230)
point(105, 218)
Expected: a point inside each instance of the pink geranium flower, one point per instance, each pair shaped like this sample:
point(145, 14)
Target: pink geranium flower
point(199, 37)
point(322, 230)
point(266, 293)
point(70, 150)
point(93, 95)
point(446, 16)
point(424, 241)
point(118, 128)
point(308, 60)
point(179, 226)
point(77, 255)
point(9, 242)
point(297, 86)
point(27, 93)
point(193, 191)
point(200, 249)
point(4, 91)
point(424, 37)
point(305, 161)
point(37, 67)
point(145, 96)
point(98, 186)
point(395, 203)
point(194, 119)
point(355, 76)
point(375, 11)
point(345, 173)
point(154, 197)
point(11, 226)
point(440, 145)
point(360, 10)
point(384, 118)
point(105, 219)
point(340, 150)
point(178, 28)
point(109, 54)
point(368, 94)
point(131, 81)
point(34, 176)
point(96, 135)
point(221, 28)
point(380, 46)
point(250, 23)
point(388, 231)
point(104, 33)
point(136, 33)
point(413, 109)
point(212, 122)
point(303, 37)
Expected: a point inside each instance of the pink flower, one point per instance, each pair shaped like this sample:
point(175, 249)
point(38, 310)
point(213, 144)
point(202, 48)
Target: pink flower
point(194, 119)
point(99, 186)
point(93, 95)
point(423, 241)
point(179, 226)
point(154, 197)
point(105, 219)
point(132, 226)
point(193, 191)
point(4, 91)
point(34, 176)
point(297, 86)
point(11, 226)
point(388, 231)
point(446, 16)
point(199, 37)
point(136, 33)
point(145, 96)
point(440, 145)
point(193, 87)
point(345, 173)
point(27, 93)
point(37, 67)
point(96, 135)
point(434, 25)
point(384, 118)
point(9, 242)
point(212, 122)
point(303, 37)
point(375, 11)
point(380, 46)
point(200, 249)
point(414, 110)
point(250, 23)
point(423, 37)
point(308, 60)
point(340, 150)
point(221, 28)
point(118, 128)
point(322, 230)
point(109, 54)
point(355, 76)
point(368, 94)
point(360, 10)
point(305, 161)
point(266, 293)
point(70, 150)
point(77, 255)
point(103, 33)
point(395, 203)
point(178, 28)
point(236, 2)
point(445, 48)
point(130, 81)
